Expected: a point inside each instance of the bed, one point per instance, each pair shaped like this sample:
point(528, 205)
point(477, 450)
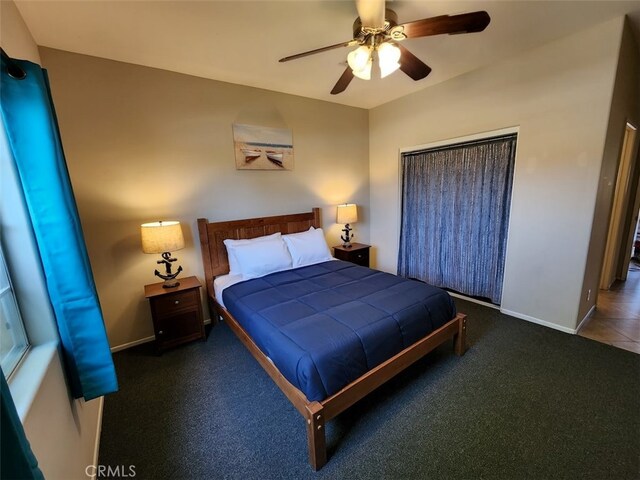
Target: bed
point(321, 352)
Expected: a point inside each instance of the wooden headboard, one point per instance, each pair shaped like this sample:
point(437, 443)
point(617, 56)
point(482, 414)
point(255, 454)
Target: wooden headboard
point(212, 236)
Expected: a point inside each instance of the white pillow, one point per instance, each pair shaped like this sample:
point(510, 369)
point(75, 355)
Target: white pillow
point(308, 247)
point(234, 268)
point(262, 258)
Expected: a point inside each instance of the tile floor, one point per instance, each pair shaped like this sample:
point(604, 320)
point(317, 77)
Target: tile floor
point(616, 320)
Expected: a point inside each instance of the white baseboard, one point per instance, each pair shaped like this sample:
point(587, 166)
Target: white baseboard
point(124, 346)
point(528, 318)
point(96, 448)
point(473, 300)
point(133, 344)
point(586, 317)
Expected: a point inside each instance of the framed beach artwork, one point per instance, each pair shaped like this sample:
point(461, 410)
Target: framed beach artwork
point(262, 148)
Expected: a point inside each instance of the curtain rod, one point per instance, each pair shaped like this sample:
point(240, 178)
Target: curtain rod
point(13, 69)
point(454, 146)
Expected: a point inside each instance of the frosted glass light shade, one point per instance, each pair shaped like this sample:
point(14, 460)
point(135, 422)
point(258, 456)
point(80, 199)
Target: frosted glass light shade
point(347, 213)
point(360, 62)
point(160, 237)
point(388, 57)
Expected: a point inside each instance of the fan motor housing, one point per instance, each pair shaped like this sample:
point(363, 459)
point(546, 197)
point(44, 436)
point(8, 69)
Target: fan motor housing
point(390, 21)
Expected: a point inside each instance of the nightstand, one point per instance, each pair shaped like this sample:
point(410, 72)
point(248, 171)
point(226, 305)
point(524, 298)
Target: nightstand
point(176, 313)
point(358, 253)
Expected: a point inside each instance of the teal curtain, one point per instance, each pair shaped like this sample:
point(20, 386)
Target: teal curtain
point(17, 460)
point(455, 215)
point(29, 119)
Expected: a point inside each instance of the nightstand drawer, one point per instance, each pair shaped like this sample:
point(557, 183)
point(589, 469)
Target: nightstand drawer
point(358, 253)
point(168, 304)
point(361, 258)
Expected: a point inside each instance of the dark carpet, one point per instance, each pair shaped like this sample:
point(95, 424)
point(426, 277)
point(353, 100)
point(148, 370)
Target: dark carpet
point(525, 401)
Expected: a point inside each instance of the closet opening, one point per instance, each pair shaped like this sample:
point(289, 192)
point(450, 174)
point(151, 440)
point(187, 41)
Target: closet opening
point(455, 204)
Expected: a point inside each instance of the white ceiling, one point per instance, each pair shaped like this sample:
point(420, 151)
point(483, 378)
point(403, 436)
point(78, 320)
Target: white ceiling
point(241, 41)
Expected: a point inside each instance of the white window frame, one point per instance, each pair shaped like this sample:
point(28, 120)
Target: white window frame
point(12, 323)
point(29, 286)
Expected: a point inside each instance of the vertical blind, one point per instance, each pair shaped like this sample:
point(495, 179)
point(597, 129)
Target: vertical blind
point(455, 215)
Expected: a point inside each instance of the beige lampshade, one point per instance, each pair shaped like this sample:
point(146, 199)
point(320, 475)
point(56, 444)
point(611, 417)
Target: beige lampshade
point(347, 213)
point(160, 237)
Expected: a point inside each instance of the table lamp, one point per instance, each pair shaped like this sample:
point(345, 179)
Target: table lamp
point(163, 237)
point(347, 213)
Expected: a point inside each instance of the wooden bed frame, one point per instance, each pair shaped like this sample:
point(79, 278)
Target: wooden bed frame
point(316, 413)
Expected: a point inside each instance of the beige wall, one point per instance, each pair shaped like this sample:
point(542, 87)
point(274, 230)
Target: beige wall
point(559, 96)
point(15, 37)
point(144, 144)
point(625, 107)
point(62, 431)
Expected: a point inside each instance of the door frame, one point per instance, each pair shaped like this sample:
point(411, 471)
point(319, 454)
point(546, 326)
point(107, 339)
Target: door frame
point(633, 225)
point(622, 199)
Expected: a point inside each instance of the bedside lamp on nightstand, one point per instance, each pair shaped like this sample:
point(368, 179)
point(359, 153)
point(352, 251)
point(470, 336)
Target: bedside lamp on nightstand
point(163, 238)
point(347, 213)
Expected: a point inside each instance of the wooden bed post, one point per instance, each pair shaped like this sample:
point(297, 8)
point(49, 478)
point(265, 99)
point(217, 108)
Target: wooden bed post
point(316, 217)
point(315, 435)
point(206, 262)
point(460, 338)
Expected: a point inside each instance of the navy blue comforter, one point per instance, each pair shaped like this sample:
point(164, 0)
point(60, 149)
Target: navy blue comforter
point(327, 324)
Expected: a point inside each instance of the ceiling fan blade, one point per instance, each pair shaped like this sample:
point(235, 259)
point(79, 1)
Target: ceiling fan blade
point(451, 24)
point(343, 82)
point(371, 13)
point(319, 50)
point(412, 65)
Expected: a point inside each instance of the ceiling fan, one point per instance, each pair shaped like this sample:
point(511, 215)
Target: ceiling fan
point(376, 32)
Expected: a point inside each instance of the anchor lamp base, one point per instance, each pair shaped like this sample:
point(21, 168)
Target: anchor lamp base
point(171, 283)
point(169, 278)
point(346, 238)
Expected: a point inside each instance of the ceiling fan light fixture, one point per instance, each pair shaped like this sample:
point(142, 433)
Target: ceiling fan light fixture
point(365, 73)
point(388, 58)
point(360, 62)
point(376, 31)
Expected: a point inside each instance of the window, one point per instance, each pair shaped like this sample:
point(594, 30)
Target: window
point(13, 339)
